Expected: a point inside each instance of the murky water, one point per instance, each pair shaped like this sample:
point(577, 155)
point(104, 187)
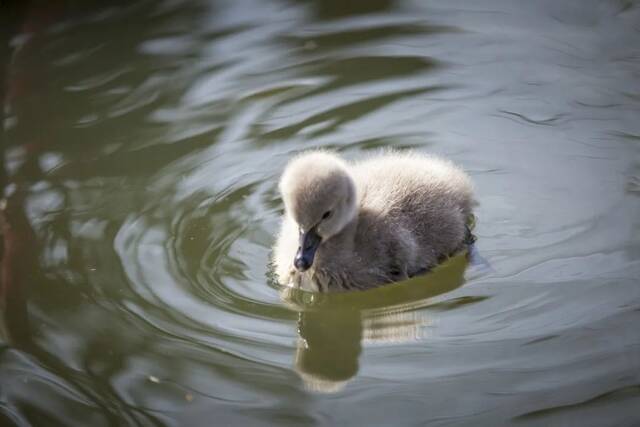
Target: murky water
point(142, 148)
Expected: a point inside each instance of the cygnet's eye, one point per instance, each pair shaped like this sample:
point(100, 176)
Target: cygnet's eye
point(326, 215)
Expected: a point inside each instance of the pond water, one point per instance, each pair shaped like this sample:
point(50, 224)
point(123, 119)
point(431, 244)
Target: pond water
point(142, 146)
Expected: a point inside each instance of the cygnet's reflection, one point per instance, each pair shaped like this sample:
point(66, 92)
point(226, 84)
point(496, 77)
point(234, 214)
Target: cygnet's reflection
point(328, 349)
point(332, 328)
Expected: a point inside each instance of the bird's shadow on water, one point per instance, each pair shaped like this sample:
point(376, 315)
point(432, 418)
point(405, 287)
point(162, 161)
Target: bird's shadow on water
point(332, 328)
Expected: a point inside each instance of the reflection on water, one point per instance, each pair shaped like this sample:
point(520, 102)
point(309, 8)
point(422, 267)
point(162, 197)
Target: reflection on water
point(333, 328)
point(141, 148)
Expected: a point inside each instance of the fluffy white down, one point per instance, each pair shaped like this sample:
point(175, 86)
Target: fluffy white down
point(396, 215)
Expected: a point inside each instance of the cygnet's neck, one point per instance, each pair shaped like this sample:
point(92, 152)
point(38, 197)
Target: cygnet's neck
point(347, 234)
point(344, 240)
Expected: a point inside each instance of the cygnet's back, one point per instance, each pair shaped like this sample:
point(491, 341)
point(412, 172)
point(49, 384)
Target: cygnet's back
point(398, 178)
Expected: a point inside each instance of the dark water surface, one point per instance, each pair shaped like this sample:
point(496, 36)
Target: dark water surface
point(142, 147)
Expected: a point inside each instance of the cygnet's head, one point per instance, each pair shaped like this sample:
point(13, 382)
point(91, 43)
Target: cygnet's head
point(320, 196)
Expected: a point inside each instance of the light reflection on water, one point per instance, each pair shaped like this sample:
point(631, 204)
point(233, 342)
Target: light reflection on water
point(142, 148)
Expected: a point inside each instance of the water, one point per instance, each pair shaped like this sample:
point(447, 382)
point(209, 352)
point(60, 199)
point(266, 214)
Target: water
point(143, 144)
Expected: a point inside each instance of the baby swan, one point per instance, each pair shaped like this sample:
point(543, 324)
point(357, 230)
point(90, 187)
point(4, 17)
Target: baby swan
point(364, 224)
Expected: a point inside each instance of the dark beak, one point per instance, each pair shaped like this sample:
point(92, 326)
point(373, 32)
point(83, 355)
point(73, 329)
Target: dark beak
point(309, 243)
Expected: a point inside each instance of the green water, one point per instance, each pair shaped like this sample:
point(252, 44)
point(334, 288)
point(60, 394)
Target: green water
point(142, 146)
